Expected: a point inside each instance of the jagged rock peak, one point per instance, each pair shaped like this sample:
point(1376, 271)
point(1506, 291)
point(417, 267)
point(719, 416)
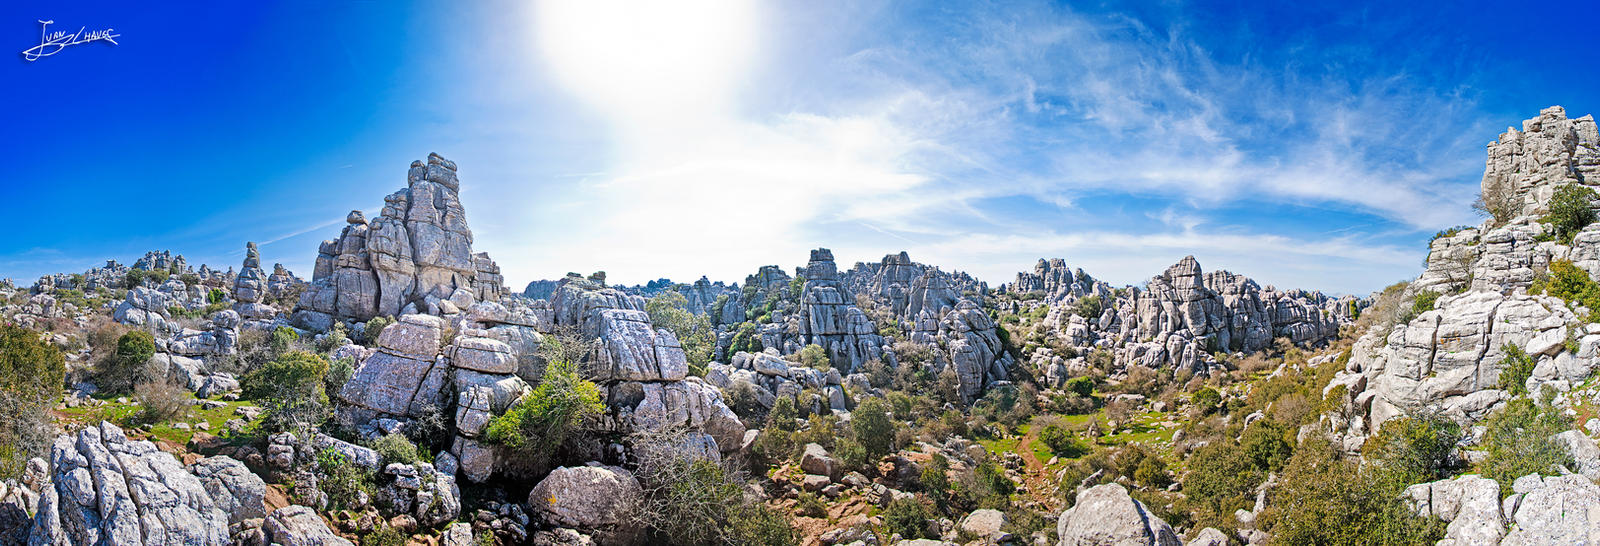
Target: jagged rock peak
point(415, 255)
point(1527, 166)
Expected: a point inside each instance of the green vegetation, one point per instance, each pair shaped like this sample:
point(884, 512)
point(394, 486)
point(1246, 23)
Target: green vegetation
point(126, 366)
point(1571, 208)
point(746, 339)
point(31, 373)
point(700, 502)
point(1423, 302)
point(540, 422)
point(1572, 284)
point(1323, 499)
point(872, 427)
point(1062, 443)
point(162, 401)
point(1088, 307)
point(670, 310)
point(814, 356)
point(908, 518)
point(342, 480)
point(1267, 444)
point(291, 389)
point(1415, 448)
point(1083, 386)
point(1515, 369)
point(396, 448)
point(1519, 442)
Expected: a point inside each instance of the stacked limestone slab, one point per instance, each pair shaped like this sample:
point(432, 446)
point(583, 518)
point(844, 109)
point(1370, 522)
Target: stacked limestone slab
point(414, 257)
point(1449, 359)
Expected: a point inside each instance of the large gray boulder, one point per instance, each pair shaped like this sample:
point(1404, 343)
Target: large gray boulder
point(234, 489)
point(1105, 515)
point(107, 489)
point(1470, 504)
point(595, 499)
point(299, 526)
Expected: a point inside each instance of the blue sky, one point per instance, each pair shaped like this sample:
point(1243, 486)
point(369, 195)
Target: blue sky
point(1305, 146)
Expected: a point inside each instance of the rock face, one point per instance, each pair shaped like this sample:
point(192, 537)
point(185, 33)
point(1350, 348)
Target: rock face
point(108, 490)
point(940, 310)
point(1540, 510)
point(1058, 283)
point(1105, 515)
point(594, 499)
point(235, 490)
point(1549, 151)
point(1450, 358)
point(828, 317)
point(298, 526)
point(416, 256)
point(146, 308)
point(642, 371)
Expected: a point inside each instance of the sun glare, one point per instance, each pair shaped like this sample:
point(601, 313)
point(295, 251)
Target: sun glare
point(649, 60)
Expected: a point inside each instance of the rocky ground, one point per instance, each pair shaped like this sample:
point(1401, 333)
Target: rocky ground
point(403, 395)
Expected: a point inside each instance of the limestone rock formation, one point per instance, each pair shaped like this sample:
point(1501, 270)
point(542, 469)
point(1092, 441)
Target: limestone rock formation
point(251, 287)
point(232, 487)
point(1058, 283)
point(414, 257)
point(828, 317)
point(1105, 515)
point(107, 489)
point(1450, 358)
point(1540, 510)
point(595, 499)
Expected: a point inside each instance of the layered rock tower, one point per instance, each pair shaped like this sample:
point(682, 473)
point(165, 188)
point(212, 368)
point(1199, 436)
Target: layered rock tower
point(415, 257)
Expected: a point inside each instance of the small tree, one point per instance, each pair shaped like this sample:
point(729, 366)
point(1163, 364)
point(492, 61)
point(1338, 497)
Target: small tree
point(31, 373)
point(1087, 307)
point(670, 311)
point(814, 356)
point(127, 364)
point(872, 427)
point(1520, 441)
point(1571, 209)
point(1082, 386)
point(292, 389)
point(1416, 448)
point(1265, 444)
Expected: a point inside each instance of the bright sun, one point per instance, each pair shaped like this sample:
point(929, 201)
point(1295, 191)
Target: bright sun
point(647, 59)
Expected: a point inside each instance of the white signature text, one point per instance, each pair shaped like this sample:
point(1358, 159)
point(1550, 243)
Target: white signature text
point(51, 43)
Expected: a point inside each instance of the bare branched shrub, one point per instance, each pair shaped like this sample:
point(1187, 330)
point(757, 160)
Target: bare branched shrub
point(1497, 202)
point(162, 401)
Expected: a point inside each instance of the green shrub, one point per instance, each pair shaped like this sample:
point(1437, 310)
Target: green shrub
point(292, 389)
point(1267, 445)
point(373, 328)
point(908, 517)
point(1519, 442)
point(342, 480)
point(339, 373)
point(810, 506)
point(670, 310)
point(384, 535)
point(216, 296)
point(1515, 369)
point(1573, 285)
point(396, 448)
point(1088, 307)
point(283, 339)
point(814, 356)
point(540, 421)
point(1416, 448)
point(1322, 499)
point(31, 374)
point(1206, 399)
point(126, 366)
point(1423, 302)
point(746, 338)
point(1221, 479)
point(1571, 208)
point(872, 427)
point(1082, 386)
point(1062, 443)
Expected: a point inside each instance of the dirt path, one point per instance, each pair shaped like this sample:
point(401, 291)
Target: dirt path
point(1038, 478)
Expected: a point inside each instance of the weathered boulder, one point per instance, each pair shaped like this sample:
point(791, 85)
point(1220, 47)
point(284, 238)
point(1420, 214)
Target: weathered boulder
point(108, 489)
point(232, 487)
point(595, 499)
point(1105, 515)
point(299, 526)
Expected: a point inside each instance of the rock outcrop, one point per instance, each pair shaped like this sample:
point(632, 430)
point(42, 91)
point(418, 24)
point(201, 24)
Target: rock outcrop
point(1449, 358)
point(828, 317)
point(106, 489)
point(414, 257)
point(1105, 515)
point(598, 500)
point(1540, 510)
point(250, 287)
